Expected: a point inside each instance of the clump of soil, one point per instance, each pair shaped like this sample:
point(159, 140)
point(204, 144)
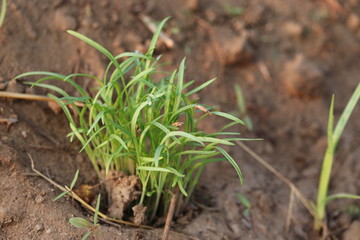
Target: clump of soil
point(302, 78)
point(122, 191)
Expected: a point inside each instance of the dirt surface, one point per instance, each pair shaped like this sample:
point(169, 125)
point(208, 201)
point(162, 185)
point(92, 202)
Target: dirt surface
point(289, 58)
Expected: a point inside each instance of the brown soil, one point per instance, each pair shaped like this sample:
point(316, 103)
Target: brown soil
point(289, 58)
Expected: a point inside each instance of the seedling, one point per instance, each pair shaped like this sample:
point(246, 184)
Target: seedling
point(83, 223)
point(245, 202)
point(233, 10)
point(140, 126)
point(71, 187)
point(2, 12)
point(333, 139)
point(242, 107)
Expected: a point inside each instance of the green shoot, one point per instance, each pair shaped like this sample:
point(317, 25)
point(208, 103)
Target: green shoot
point(233, 10)
point(71, 186)
point(2, 12)
point(79, 222)
point(242, 107)
point(333, 139)
point(144, 127)
point(244, 201)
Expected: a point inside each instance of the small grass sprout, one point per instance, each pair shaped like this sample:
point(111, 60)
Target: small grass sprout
point(71, 186)
point(242, 107)
point(79, 222)
point(246, 203)
point(143, 127)
point(334, 135)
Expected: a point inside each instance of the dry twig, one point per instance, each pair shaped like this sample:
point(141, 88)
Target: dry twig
point(81, 201)
point(293, 188)
point(170, 214)
point(149, 23)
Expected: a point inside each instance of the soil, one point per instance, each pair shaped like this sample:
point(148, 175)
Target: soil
point(289, 58)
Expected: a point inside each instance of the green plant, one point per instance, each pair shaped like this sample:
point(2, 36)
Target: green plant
point(242, 107)
point(233, 10)
point(83, 223)
point(71, 186)
point(333, 139)
point(246, 203)
point(2, 12)
point(141, 126)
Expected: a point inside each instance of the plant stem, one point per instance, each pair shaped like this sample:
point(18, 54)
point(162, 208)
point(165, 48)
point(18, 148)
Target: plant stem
point(323, 187)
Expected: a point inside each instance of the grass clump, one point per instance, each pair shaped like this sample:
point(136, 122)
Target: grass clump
point(143, 127)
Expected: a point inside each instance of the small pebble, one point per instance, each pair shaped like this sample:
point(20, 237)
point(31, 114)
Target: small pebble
point(353, 21)
point(95, 25)
point(39, 199)
point(293, 29)
point(64, 21)
point(303, 78)
point(24, 134)
point(2, 86)
point(237, 49)
point(14, 86)
point(192, 5)
point(39, 227)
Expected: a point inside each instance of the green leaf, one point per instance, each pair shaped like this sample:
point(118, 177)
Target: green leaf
point(179, 87)
point(346, 115)
point(86, 235)
point(34, 73)
point(74, 179)
point(228, 116)
point(233, 163)
point(330, 128)
point(204, 85)
point(97, 46)
point(342, 195)
point(181, 134)
point(60, 196)
point(79, 222)
point(117, 138)
point(3, 12)
point(181, 187)
point(157, 155)
point(215, 140)
point(97, 210)
point(160, 169)
point(156, 36)
point(244, 200)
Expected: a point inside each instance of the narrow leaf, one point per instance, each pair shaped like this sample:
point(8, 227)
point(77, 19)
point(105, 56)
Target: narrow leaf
point(74, 179)
point(79, 222)
point(97, 209)
point(233, 163)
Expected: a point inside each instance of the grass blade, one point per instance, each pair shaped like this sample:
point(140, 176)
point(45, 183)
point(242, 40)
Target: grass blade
point(97, 210)
point(342, 195)
point(97, 46)
point(233, 163)
point(3, 12)
point(204, 85)
point(160, 169)
point(79, 222)
point(346, 115)
point(74, 179)
point(228, 116)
